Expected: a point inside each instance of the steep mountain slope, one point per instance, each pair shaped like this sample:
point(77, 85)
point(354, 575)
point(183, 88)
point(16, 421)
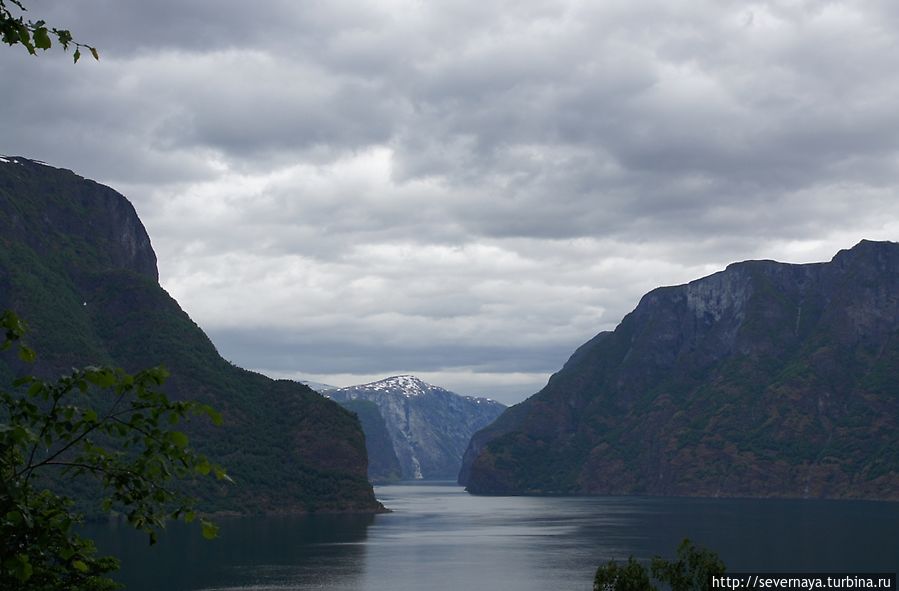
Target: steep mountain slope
point(383, 465)
point(77, 265)
point(429, 426)
point(765, 379)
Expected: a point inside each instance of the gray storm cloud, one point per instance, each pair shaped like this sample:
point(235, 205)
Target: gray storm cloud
point(464, 189)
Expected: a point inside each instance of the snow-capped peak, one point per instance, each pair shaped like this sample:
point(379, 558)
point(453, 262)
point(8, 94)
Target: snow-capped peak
point(407, 385)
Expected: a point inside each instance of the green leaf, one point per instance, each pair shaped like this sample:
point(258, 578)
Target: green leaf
point(101, 376)
point(25, 37)
point(80, 566)
point(94, 53)
point(41, 38)
point(203, 467)
point(210, 530)
point(13, 325)
point(20, 434)
point(64, 37)
point(23, 568)
point(214, 415)
point(14, 517)
point(27, 354)
point(178, 438)
point(220, 474)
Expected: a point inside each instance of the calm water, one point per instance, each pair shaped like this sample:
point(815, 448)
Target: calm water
point(440, 538)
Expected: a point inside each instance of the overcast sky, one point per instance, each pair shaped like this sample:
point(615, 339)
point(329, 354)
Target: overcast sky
point(463, 190)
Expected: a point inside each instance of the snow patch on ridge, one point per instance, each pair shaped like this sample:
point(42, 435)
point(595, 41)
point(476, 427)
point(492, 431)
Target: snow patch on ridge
point(409, 385)
point(19, 161)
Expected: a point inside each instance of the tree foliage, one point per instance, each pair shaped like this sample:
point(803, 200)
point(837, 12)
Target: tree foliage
point(630, 577)
point(690, 571)
point(34, 35)
point(99, 423)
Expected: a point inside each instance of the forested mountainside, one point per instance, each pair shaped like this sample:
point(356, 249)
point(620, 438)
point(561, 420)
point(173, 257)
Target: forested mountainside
point(77, 265)
point(763, 380)
point(383, 465)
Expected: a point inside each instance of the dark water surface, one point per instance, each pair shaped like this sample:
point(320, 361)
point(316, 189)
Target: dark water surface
point(440, 538)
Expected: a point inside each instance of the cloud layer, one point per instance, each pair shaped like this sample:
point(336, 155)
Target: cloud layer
point(464, 190)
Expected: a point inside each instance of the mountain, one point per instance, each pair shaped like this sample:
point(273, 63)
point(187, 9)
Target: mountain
point(383, 465)
point(76, 263)
point(429, 426)
point(763, 380)
point(317, 386)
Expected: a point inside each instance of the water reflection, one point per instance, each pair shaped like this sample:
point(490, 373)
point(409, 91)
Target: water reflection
point(284, 553)
point(442, 539)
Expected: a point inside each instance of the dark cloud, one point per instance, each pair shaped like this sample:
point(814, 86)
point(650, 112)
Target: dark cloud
point(463, 188)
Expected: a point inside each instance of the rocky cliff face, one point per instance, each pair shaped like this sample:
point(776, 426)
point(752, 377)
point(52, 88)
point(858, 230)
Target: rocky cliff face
point(77, 265)
point(100, 227)
point(383, 465)
point(429, 426)
point(765, 379)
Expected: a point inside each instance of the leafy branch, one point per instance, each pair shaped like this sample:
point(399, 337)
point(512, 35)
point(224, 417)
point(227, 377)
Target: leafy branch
point(689, 571)
point(34, 35)
point(130, 446)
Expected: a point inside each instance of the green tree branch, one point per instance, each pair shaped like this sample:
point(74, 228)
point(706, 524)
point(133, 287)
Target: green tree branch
point(132, 448)
point(690, 571)
point(34, 35)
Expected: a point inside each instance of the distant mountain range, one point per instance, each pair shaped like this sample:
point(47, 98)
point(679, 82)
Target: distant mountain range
point(77, 265)
point(428, 427)
point(763, 380)
point(317, 386)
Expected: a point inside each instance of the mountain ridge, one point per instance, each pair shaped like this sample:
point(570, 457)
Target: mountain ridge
point(78, 265)
point(764, 379)
point(429, 426)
